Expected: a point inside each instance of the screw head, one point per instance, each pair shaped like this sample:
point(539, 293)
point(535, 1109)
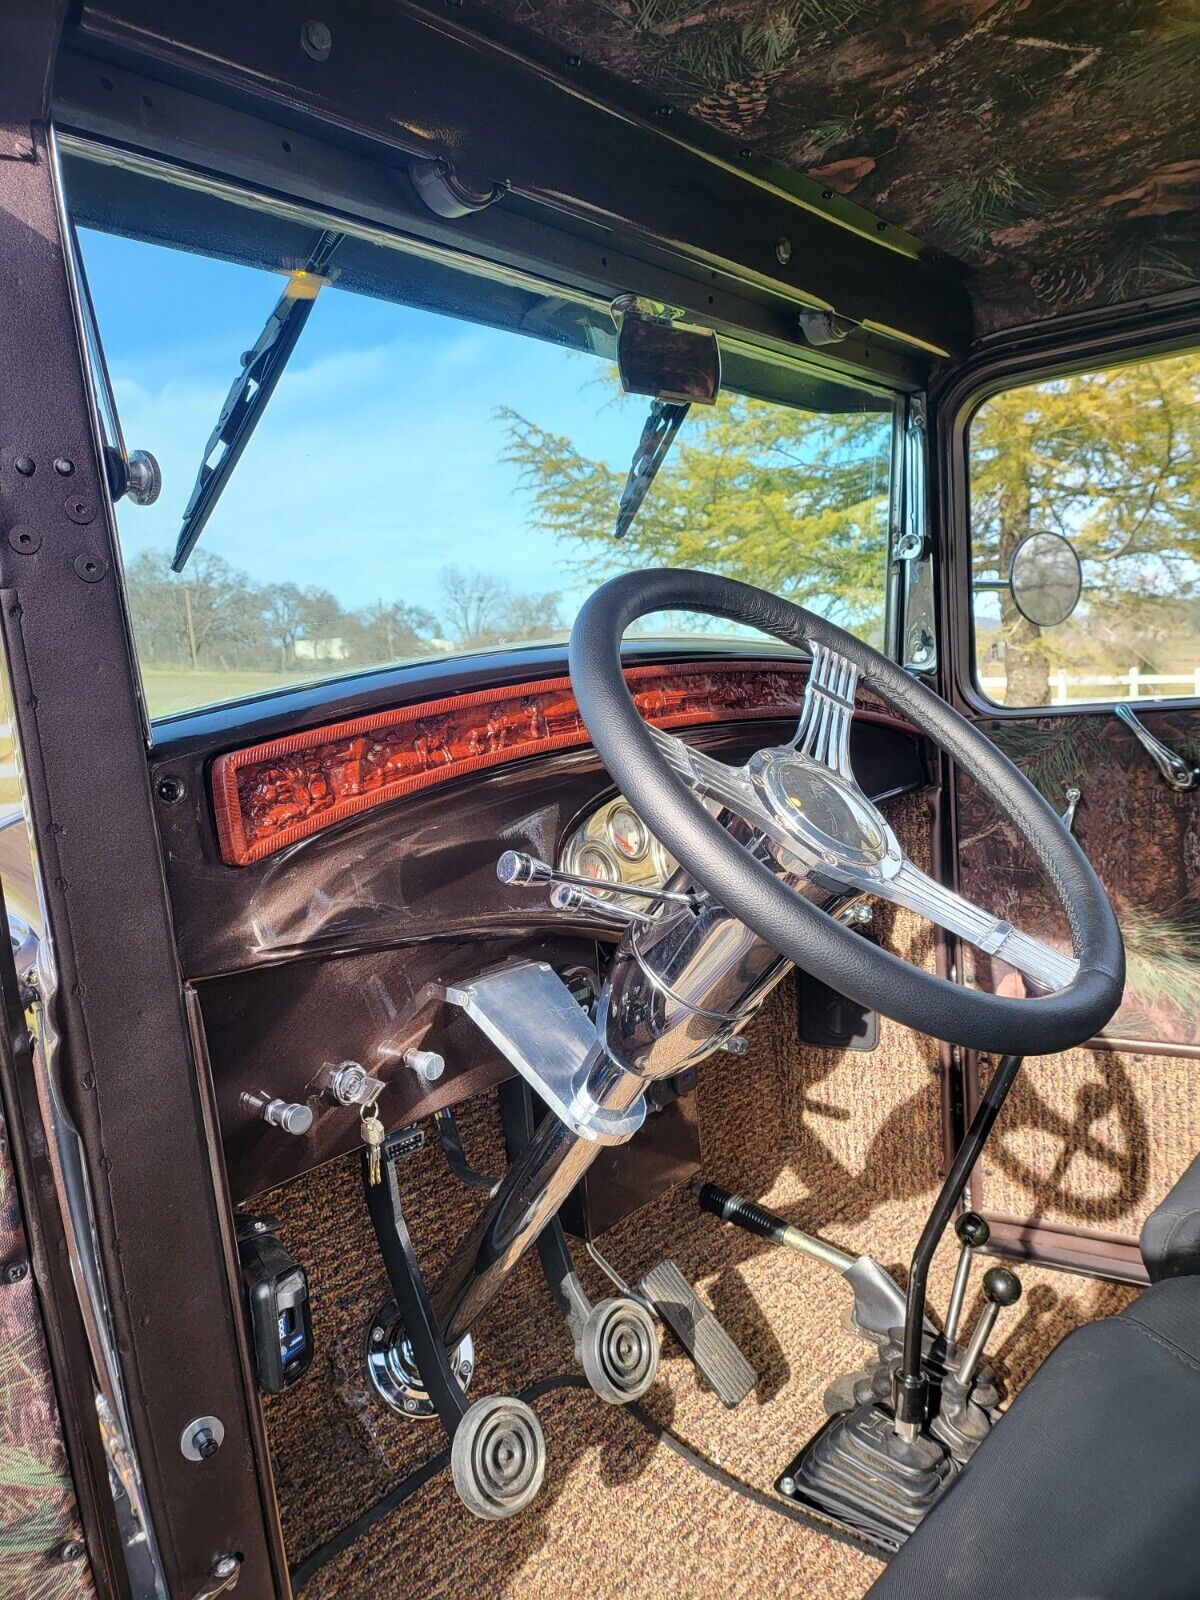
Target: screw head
point(787, 1485)
point(16, 1271)
point(63, 467)
point(377, 1335)
point(71, 1550)
point(169, 790)
point(316, 40)
point(90, 568)
point(783, 251)
point(24, 540)
point(26, 466)
point(202, 1437)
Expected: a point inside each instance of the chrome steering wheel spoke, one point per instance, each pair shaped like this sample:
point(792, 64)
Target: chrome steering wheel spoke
point(803, 798)
point(709, 778)
point(823, 732)
point(915, 890)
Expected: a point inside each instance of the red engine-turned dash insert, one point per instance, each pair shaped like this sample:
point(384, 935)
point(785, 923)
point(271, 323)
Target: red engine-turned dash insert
point(268, 796)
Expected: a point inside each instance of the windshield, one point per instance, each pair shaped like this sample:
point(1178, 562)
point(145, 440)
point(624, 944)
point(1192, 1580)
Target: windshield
point(420, 486)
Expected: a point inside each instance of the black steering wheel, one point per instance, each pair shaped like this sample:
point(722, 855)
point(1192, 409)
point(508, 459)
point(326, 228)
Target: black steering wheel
point(802, 797)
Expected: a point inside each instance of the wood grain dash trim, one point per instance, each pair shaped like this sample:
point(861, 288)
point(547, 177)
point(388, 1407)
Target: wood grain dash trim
point(269, 796)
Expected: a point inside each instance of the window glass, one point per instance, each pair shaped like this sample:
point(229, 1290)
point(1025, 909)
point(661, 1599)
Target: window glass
point(420, 485)
point(1110, 460)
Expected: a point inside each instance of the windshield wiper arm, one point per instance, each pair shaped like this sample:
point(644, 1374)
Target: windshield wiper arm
point(252, 388)
point(658, 435)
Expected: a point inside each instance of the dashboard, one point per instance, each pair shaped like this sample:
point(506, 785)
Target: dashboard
point(331, 853)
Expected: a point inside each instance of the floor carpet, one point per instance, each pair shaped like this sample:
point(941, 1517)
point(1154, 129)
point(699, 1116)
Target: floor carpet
point(847, 1145)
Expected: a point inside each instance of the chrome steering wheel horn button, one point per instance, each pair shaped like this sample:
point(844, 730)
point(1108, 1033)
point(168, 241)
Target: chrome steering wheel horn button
point(828, 818)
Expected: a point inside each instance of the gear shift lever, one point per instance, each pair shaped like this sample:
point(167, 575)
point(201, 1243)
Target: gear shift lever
point(973, 1233)
point(1002, 1288)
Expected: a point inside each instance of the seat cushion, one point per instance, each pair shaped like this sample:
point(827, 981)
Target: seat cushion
point(1171, 1233)
point(1089, 1487)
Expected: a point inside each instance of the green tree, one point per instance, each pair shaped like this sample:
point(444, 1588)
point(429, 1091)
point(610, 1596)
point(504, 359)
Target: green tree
point(795, 502)
point(1111, 460)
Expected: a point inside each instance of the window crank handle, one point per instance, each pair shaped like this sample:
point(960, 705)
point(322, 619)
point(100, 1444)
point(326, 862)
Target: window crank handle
point(1179, 773)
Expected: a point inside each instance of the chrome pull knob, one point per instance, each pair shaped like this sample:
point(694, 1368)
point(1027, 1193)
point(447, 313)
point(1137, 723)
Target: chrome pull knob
point(427, 1064)
point(1173, 767)
point(287, 1115)
point(570, 897)
point(515, 867)
point(144, 478)
point(1074, 796)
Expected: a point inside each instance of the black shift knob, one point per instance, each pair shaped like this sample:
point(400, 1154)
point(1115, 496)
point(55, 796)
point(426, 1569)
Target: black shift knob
point(1002, 1287)
point(972, 1230)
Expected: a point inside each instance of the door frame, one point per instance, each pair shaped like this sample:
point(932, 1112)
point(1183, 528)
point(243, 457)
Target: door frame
point(1071, 344)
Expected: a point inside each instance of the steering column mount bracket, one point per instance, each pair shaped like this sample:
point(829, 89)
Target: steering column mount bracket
point(536, 1023)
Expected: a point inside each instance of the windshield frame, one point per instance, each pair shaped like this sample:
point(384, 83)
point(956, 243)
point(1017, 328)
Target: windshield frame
point(753, 370)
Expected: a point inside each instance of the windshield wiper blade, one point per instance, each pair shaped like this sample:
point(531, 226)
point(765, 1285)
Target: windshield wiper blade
point(658, 435)
point(262, 368)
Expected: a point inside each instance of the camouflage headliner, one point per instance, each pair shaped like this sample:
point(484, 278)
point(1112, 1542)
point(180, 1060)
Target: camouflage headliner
point(1053, 146)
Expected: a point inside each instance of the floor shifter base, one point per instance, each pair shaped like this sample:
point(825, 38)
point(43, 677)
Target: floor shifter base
point(858, 1473)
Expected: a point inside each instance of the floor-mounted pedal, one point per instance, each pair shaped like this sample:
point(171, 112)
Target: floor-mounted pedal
point(698, 1328)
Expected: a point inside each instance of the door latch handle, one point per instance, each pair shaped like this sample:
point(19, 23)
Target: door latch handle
point(1176, 771)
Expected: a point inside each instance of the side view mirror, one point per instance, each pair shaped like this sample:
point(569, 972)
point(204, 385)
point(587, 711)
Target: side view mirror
point(1045, 579)
point(668, 360)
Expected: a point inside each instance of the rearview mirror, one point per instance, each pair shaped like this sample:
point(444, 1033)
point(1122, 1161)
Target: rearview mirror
point(673, 361)
point(1045, 579)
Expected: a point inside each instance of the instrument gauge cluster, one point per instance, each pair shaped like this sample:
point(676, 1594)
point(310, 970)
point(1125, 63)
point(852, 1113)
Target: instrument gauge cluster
point(614, 846)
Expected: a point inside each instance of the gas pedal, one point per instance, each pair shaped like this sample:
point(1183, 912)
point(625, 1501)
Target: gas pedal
point(698, 1328)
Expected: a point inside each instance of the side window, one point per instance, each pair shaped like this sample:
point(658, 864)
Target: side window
point(1109, 461)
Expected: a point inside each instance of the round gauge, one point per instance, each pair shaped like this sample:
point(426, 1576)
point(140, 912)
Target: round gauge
point(627, 832)
point(594, 861)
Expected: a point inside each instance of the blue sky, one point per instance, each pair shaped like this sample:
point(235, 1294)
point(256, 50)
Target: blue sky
point(377, 461)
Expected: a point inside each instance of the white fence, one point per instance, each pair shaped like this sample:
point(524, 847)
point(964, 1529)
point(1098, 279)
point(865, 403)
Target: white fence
point(1130, 685)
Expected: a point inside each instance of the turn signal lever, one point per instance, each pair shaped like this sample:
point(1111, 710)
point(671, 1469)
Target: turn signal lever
point(518, 869)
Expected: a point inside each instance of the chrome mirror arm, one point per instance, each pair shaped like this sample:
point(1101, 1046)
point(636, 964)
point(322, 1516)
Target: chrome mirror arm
point(1175, 770)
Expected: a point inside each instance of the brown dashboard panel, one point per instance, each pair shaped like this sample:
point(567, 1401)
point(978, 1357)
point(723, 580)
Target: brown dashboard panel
point(269, 796)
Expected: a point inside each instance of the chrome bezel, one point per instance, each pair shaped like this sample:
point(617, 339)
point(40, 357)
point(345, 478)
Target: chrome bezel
point(641, 832)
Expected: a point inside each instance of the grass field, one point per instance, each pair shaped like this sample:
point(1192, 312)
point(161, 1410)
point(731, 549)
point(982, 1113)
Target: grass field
point(171, 689)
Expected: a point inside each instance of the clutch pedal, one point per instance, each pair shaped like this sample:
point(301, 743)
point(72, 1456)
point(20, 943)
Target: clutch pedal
point(698, 1328)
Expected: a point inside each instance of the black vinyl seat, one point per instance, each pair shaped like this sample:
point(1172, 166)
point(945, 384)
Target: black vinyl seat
point(1089, 1487)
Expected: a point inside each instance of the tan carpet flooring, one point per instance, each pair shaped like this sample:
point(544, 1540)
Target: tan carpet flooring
point(848, 1146)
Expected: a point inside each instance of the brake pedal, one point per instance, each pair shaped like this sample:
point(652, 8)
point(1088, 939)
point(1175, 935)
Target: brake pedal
point(698, 1328)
